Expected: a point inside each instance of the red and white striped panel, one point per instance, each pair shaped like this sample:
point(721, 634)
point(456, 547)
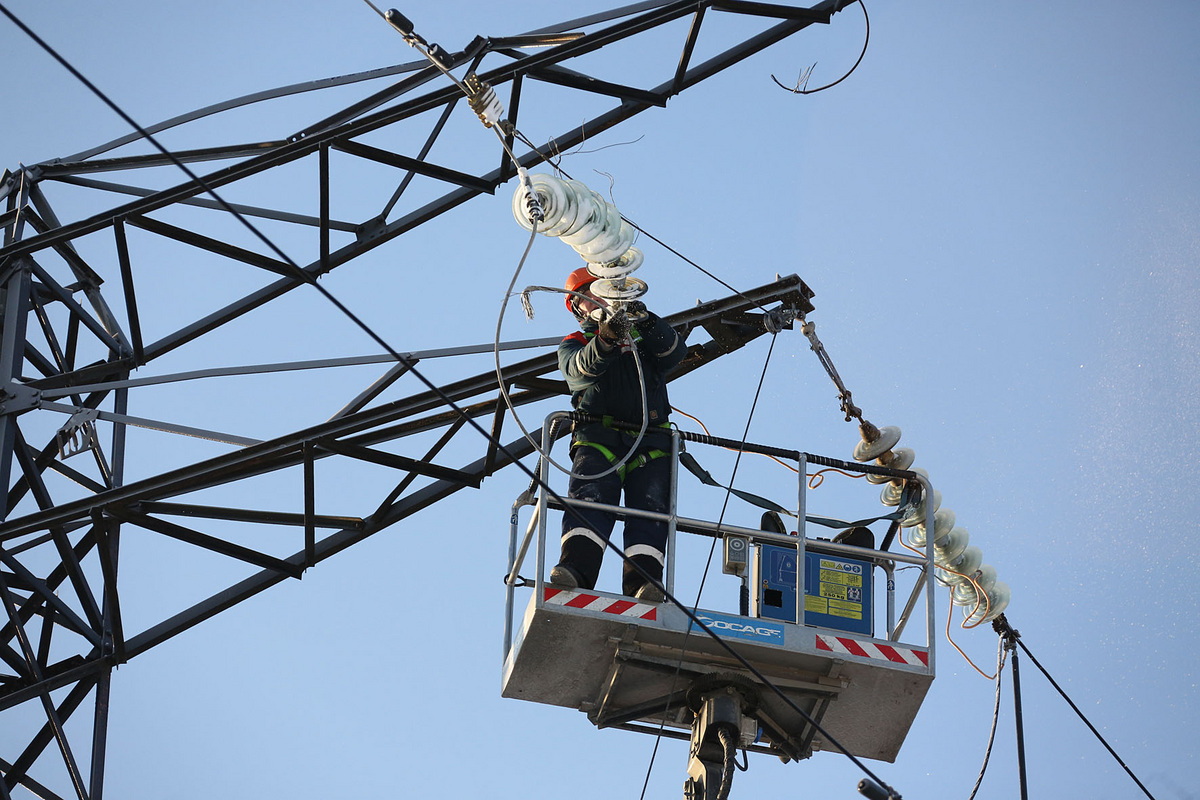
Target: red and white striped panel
point(883, 652)
point(594, 602)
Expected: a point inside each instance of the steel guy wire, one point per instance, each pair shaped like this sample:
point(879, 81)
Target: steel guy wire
point(306, 278)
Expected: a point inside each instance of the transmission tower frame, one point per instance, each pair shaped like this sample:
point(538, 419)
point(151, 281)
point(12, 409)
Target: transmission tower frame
point(66, 349)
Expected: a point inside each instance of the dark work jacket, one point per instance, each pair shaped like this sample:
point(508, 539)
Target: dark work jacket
point(604, 382)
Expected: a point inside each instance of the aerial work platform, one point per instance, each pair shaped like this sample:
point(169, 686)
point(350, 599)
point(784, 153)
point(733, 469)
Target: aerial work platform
point(624, 662)
point(798, 688)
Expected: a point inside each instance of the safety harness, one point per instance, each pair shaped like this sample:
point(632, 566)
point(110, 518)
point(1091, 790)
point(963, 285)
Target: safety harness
point(639, 460)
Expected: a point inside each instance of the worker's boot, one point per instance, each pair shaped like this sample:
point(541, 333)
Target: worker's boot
point(564, 577)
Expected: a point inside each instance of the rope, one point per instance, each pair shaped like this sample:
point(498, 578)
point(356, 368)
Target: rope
point(980, 596)
point(949, 617)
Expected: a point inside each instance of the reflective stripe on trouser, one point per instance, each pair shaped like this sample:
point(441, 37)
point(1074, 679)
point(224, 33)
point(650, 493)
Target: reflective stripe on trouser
point(645, 541)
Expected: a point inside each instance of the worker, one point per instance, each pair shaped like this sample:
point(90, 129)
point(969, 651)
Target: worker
point(603, 377)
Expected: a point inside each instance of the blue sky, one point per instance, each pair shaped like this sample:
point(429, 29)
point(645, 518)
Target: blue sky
point(998, 212)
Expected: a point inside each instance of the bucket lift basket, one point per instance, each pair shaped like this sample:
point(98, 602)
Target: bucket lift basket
point(645, 667)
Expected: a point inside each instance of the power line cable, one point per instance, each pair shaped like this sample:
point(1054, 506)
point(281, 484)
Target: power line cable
point(1001, 654)
point(306, 278)
point(708, 564)
point(291, 264)
point(803, 79)
point(1091, 727)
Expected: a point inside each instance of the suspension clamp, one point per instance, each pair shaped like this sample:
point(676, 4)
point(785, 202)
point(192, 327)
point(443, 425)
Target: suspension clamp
point(854, 412)
point(1000, 625)
point(872, 790)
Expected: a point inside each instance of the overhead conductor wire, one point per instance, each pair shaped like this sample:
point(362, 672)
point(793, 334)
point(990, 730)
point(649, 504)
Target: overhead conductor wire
point(708, 564)
point(306, 278)
point(803, 80)
point(1087, 722)
point(1001, 654)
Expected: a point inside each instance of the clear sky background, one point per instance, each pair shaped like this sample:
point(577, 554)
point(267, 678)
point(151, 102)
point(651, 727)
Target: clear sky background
point(999, 214)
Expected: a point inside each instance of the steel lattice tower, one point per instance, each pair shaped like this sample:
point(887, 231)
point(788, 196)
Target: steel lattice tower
point(77, 351)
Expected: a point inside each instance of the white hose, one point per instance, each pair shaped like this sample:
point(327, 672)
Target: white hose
point(545, 453)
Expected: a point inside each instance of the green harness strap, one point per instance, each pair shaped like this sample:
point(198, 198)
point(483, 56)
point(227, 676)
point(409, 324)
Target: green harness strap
point(633, 333)
point(629, 466)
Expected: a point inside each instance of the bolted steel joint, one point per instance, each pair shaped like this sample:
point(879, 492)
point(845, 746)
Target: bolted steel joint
point(17, 398)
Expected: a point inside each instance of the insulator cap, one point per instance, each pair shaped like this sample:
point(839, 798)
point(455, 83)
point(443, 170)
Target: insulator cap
point(890, 496)
point(951, 547)
point(943, 522)
point(609, 290)
point(917, 515)
point(902, 458)
point(998, 596)
point(965, 564)
point(867, 450)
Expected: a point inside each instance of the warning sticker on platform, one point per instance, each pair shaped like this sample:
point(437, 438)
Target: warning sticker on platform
point(834, 591)
point(843, 578)
point(815, 605)
point(841, 586)
point(848, 610)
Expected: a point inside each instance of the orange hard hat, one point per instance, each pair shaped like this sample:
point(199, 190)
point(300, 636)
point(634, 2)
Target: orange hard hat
point(577, 281)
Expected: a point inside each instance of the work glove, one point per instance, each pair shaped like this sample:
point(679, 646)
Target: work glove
point(614, 329)
point(644, 318)
point(635, 308)
point(636, 311)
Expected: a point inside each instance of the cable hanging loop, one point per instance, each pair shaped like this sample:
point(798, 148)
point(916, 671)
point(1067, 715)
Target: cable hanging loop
point(801, 86)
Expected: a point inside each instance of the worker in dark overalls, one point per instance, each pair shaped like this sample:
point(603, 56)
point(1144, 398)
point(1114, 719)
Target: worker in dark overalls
point(601, 372)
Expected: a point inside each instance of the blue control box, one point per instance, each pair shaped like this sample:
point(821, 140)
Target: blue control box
point(837, 590)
